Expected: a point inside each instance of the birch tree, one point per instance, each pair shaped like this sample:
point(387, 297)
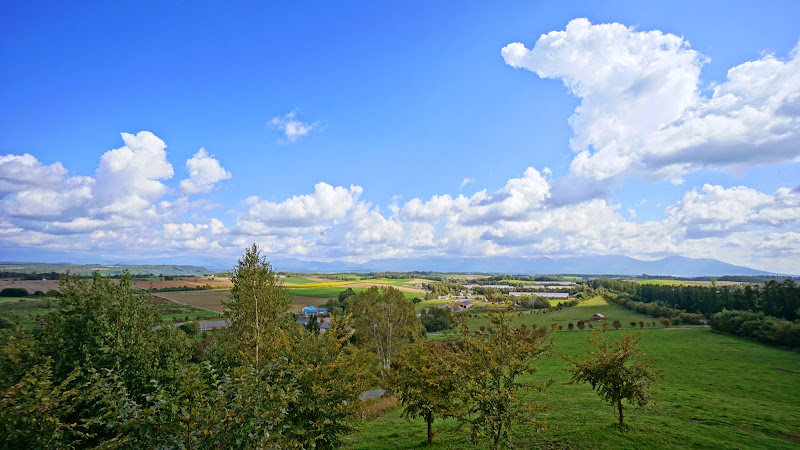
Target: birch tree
point(385, 322)
point(258, 306)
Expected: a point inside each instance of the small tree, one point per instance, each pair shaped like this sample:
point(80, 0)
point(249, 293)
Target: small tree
point(616, 324)
point(641, 325)
point(581, 325)
point(492, 363)
point(664, 321)
point(570, 326)
point(427, 379)
point(616, 370)
point(633, 324)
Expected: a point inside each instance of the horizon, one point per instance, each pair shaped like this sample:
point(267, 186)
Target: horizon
point(361, 132)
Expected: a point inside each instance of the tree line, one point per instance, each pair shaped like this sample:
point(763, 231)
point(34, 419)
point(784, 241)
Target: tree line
point(773, 298)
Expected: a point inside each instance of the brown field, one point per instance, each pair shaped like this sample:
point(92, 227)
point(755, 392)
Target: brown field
point(30, 285)
point(183, 282)
point(212, 300)
point(367, 284)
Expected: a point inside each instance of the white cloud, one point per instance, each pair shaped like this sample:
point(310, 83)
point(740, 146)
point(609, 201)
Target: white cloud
point(21, 172)
point(641, 111)
point(466, 181)
point(326, 203)
point(204, 173)
point(292, 128)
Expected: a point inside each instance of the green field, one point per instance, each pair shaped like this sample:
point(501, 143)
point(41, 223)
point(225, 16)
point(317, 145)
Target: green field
point(295, 280)
point(564, 316)
point(25, 311)
point(717, 392)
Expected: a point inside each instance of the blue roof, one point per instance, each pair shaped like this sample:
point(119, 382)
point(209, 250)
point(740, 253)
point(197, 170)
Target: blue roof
point(323, 310)
point(310, 308)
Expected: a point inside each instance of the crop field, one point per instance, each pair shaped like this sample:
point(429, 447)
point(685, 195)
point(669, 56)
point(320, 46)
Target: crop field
point(716, 392)
point(208, 300)
point(179, 312)
point(29, 285)
point(333, 291)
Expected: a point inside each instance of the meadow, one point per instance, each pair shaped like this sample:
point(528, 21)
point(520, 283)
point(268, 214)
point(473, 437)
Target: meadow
point(716, 392)
point(688, 283)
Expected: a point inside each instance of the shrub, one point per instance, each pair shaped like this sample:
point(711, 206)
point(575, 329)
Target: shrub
point(13, 292)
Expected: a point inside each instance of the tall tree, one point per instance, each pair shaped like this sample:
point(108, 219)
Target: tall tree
point(384, 321)
point(616, 369)
point(258, 306)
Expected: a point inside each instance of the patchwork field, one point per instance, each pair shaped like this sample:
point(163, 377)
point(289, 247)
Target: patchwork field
point(717, 392)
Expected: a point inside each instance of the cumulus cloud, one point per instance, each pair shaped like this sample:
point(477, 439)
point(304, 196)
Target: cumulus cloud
point(326, 203)
point(466, 181)
point(717, 211)
point(20, 172)
point(204, 173)
point(641, 109)
point(292, 128)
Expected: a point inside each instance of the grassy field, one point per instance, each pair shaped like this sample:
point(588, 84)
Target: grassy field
point(688, 283)
point(717, 392)
point(332, 291)
point(563, 317)
point(25, 311)
point(171, 311)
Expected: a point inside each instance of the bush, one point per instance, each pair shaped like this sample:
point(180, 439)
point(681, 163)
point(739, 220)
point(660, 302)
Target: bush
point(758, 327)
point(13, 292)
point(437, 319)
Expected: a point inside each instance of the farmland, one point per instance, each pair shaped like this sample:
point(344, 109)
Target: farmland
point(717, 392)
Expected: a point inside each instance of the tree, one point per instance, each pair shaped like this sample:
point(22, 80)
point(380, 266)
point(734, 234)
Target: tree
point(616, 370)
point(664, 321)
point(313, 324)
point(581, 325)
point(492, 363)
point(384, 321)
point(617, 324)
point(437, 319)
point(258, 306)
point(427, 378)
point(571, 326)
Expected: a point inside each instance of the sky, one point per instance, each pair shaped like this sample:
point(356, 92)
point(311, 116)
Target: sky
point(136, 132)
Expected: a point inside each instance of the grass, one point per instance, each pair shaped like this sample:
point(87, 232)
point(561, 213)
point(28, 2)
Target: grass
point(26, 311)
point(716, 392)
point(688, 283)
point(171, 311)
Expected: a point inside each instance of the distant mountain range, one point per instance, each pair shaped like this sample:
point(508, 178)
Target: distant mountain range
point(589, 265)
point(598, 265)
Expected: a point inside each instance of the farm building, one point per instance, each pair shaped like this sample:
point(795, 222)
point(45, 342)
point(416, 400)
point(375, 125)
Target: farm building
point(460, 305)
point(310, 310)
point(540, 294)
point(598, 316)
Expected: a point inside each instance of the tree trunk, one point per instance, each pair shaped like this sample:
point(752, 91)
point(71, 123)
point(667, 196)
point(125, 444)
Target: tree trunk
point(619, 406)
point(429, 420)
point(497, 436)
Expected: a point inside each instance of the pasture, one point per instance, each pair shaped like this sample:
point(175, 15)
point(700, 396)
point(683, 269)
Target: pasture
point(716, 392)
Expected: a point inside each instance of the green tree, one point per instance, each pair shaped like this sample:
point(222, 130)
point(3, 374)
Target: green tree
point(427, 379)
point(492, 363)
point(581, 325)
point(571, 326)
point(257, 307)
point(617, 324)
point(385, 322)
point(616, 370)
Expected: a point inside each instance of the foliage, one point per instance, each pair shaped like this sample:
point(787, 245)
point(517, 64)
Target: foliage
point(384, 322)
point(437, 319)
point(339, 305)
point(14, 292)
point(757, 326)
point(106, 325)
point(616, 370)
point(492, 363)
point(428, 381)
point(258, 306)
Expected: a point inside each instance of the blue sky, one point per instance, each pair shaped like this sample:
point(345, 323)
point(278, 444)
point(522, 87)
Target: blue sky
point(395, 129)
